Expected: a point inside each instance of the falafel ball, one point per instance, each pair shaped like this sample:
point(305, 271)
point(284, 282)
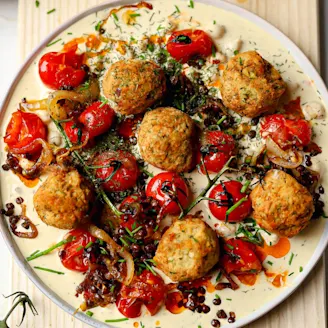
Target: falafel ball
point(134, 85)
point(251, 86)
point(166, 139)
point(64, 199)
point(187, 250)
point(281, 205)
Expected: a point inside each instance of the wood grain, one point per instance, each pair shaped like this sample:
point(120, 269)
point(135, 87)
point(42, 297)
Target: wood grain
point(296, 18)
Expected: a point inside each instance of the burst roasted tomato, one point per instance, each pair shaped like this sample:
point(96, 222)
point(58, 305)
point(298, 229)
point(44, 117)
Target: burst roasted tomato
point(131, 204)
point(185, 44)
point(285, 132)
point(240, 257)
point(229, 194)
point(119, 172)
point(75, 133)
point(169, 189)
point(58, 69)
point(71, 255)
point(128, 127)
point(217, 147)
point(97, 118)
point(22, 130)
point(146, 289)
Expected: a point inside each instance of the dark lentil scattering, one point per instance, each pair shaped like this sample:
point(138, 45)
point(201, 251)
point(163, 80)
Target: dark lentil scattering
point(217, 301)
point(201, 299)
point(6, 167)
point(10, 206)
point(221, 314)
point(19, 200)
point(308, 161)
point(215, 323)
point(255, 121)
point(231, 320)
point(321, 190)
point(201, 290)
point(252, 134)
point(206, 308)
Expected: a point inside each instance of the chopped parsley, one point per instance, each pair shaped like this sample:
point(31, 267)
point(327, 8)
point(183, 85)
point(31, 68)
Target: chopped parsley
point(177, 9)
point(37, 4)
point(229, 299)
point(51, 11)
point(270, 263)
point(151, 47)
point(191, 4)
point(301, 269)
point(236, 52)
point(89, 313)
point(291, 259)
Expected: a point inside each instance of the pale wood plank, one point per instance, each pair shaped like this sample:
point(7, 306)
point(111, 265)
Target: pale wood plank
point(296, 18)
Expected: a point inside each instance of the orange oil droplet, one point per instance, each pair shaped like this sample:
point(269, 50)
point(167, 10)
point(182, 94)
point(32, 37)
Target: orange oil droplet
point(279, 279)
point(279, 250)
point(136, 324)
point(247, 279)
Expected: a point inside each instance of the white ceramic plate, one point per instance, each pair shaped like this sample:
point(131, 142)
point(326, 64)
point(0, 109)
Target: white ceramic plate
point(308, 70)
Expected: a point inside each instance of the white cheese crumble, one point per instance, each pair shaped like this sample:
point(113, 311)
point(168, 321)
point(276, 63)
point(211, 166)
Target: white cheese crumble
point(313, 110)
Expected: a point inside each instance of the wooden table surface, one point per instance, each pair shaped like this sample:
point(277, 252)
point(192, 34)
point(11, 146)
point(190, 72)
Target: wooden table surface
point(298, 19)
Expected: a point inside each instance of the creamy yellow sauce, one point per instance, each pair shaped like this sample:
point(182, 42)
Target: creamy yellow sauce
point(230, 33)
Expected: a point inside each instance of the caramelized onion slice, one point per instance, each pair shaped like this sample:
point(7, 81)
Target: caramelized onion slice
point(32, 105)
point(287, 159)
point(114, 248)
point(26, 224)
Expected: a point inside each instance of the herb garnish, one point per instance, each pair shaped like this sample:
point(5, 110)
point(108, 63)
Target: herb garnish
point(89, 313)
point(117, 320)
point(177, 8)
point(301, 269)
point(51, 11)
point(291, 259)
point(191, 4)
point(48, 270)
point(37, 4)
point(52, 43)
point(115, 16)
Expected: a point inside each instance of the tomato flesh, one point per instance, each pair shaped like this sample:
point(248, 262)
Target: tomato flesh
point(217, 148)
point(185, 44)
point(168, 189)
point(97, 118)
point(228, 193)
point(128, 127)
point(240, 257)
point(75, 133)
point(72, 254)
point(286, 132)
point(146, 289)
point(22, 130)
point(126, 175)
point(132, 220)
point(58, 69)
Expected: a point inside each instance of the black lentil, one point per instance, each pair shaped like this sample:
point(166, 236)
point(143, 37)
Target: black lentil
point(221, 314)
point(215, 323)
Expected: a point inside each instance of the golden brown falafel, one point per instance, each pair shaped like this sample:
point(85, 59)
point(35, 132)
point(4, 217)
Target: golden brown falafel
point(166, 139)
point(187, 250)
point(64, 199)
point(281, 205)
point(251, 86)
point(134, 85)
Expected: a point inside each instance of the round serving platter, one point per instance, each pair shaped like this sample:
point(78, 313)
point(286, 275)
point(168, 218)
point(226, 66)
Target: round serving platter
point(300, 59)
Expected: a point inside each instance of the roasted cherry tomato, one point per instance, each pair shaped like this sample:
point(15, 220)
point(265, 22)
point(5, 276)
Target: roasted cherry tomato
point(146, 288)
point(125, 165)
point(240, 257)
point(72, 253)
point(22, 130)
point(228, 194)
point(97, 118)
point(285, 132)
point(185, 44)
point(216, 147)
point(75, 132)
point(132, 205)
point(128, 127)
point(58, 69)
point(169, 189)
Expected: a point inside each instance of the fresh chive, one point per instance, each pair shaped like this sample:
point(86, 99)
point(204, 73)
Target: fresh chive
point(301, 269)
point(291, 259)
point(291, 274)
point(97, 27)
point(150, 47)
point(89, 313)
point(270, 263)
point(221, 120)
point(37, 4)
point(229, 299)
point(230, 246)
point(50, 249)
point(233, 207)
point(124, 241)
point(150, 268)
point(112, 289)
point(245, 186)
point(236, 52)
point(191, 4)
point(192, 237)
point(129, 231)
point(156, 228)
point(51, 11)
point(178, 9)
point(34, 253)
point(214, 22)
point(218, 277)
point(48, 270)
point(89, 244)
point(117, 320)
point(121, 260)
point(115, 16)
point(52, 43)
point(69, 33)
point(134, 15)
point(101, 242)
point(136, 230)
point(213, 51)
point(79, 248)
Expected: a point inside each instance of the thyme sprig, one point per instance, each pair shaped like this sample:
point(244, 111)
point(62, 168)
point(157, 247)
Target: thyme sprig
point(86, 169)
point(209, 185)
point(20, 298)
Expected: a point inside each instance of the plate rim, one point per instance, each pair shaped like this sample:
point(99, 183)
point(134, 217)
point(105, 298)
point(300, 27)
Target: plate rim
point(300, 58)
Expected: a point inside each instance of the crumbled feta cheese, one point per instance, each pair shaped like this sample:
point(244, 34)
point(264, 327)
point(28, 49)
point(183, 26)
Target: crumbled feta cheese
point(313, 110)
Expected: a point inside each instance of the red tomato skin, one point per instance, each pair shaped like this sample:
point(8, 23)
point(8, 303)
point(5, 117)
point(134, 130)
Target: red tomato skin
point(131, 220)
point(129, 307)
point(71, 129)
point(238, 214)
point(214, 161)
point(125, 177)
point(171, 179)
point(22, 129)
point(57, 69)
point(286, 132)
point(201, 44)
point(97, 118)
point(72, 258)
point(148, 289)
point(248, 260)
point(128, 127)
